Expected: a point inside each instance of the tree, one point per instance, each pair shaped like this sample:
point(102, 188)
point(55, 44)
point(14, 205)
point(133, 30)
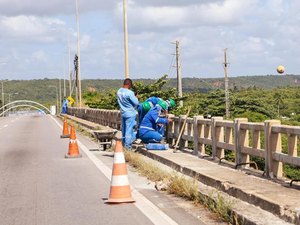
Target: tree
point(278, 99)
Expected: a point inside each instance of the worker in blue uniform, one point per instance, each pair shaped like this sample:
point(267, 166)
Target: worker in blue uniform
point(152, 125)
point(64, 106)
point(128, 103)
point(171, 104)
point(145, 106)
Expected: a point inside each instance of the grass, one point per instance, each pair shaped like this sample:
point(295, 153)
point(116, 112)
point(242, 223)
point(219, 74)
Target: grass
point(182, 187)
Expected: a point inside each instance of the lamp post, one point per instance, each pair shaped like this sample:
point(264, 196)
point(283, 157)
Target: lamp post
point(125, 39)
point(78, 54)
point(9, 94)
point(3, 95)
point(226, 84)
point(56, 96)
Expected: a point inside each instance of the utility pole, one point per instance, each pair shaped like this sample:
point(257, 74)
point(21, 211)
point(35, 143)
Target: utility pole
point(69, 66)
point(226, 84)
point(2, 98)
point(59, 84)
point(178, 67)
point(126, 39)
point(64, 85)
point(78, 55)
point(76, 77)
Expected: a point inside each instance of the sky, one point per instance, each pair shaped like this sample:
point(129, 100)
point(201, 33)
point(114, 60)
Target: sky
point(38, 37)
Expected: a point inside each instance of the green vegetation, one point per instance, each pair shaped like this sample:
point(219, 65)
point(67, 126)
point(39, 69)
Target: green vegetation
point(44, 91)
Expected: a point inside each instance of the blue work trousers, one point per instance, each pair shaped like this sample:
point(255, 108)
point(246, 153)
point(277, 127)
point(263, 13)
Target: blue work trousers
point(141, 115)
point(128, 135)
point(151, 136)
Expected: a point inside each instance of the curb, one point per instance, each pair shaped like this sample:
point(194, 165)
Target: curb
point(257, 200)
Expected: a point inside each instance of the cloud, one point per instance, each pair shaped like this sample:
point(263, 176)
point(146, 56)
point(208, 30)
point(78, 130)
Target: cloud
point(258, 34)
point(53, 7)
point(39, 56)
point(175, 16)
point(30, 28)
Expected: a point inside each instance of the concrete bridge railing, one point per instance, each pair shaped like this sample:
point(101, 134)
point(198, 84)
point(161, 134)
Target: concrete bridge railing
point(243, 138)
point(111, 118)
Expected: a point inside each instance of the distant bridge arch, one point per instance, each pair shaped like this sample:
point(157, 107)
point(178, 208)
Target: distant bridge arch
point(16, 106)
point(23, 103)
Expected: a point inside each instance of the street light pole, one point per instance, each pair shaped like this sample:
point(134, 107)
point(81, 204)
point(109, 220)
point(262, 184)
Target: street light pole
point(179, 79)
point(78, 54)
point(2, 98)
point(226, 84)
point(126, 39)
point(9, 94)
point(59, 83)
point(56, 97)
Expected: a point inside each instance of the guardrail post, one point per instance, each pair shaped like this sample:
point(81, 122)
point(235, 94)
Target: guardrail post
point(292, 145)
point(272, 144)
point(217, 134)
point(256, 139)
point(176, 127)
point(182, 143)
point(239, 140)
point(170, 130)
point(197, 130)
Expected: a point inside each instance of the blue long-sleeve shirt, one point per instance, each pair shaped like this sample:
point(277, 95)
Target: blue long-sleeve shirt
point(154, 100)
point(151, 119)
point(127, 102)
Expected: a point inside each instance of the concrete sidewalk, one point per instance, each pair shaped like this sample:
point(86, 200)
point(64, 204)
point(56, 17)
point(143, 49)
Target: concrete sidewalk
point(279, 199)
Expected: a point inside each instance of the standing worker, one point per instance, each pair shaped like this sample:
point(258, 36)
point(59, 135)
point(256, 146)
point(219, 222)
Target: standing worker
point(64, 106)
point(152, 126)
point(127, 102)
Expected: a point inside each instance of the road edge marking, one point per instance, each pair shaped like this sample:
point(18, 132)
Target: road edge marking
point(142, 203)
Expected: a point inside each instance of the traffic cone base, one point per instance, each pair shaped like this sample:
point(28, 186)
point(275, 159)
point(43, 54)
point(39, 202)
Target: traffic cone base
point(120, 195)
point(120, 191)
point(73, 146)
point(65, 136)
point(73, 156)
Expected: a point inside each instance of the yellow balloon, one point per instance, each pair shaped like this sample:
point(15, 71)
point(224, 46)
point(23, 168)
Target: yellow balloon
point(280, 69)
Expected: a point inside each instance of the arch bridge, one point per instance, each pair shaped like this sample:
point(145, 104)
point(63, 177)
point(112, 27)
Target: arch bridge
point(22, 103)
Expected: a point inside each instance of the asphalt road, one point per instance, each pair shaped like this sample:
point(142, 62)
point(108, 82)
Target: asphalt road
point(38, 186)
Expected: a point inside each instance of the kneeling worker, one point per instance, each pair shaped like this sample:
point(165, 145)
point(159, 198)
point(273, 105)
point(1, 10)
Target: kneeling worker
point(151, 127)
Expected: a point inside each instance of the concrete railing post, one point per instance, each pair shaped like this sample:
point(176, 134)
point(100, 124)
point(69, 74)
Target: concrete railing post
point(170, 130)
point(182, 143)
point(256, 139)
point(292, 145)
point(239, 140)
point(196, 132)
point(176, 127)
point(272, 144)
point(217, 134)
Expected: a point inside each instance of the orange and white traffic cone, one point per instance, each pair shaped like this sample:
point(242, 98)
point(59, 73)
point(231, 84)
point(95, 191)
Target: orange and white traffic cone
point(119, 188)
point(73, 146)
point(65, 133)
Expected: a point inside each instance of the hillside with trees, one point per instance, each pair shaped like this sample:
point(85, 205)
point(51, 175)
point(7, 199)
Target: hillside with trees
point(46, 90)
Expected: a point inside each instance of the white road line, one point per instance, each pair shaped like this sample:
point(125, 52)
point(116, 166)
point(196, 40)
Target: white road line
point(155, 214)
